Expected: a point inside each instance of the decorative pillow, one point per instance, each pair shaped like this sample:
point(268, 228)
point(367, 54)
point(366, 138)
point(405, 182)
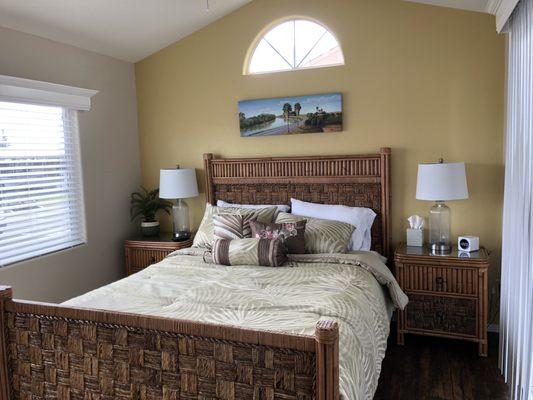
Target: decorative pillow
point(252, 251)
point(233, 226)
point(360, 217)
point(321, 235)
point(280, 207)
point(291, 233)
point(204, 235)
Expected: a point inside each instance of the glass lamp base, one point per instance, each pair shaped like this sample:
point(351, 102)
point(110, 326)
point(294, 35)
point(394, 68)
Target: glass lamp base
point(181, 236)
point(180, 216)
point(439, 229)
point(440, 248)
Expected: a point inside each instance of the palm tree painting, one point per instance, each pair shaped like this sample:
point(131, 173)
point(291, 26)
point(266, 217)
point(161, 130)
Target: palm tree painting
point(291, 115)
point(287, 109)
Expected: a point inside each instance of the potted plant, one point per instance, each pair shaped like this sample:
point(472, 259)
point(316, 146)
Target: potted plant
point(145, 204)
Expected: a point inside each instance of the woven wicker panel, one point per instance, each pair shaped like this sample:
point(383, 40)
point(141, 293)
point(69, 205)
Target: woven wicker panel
point(52, 357)
point(348, 194)
point(445, 314)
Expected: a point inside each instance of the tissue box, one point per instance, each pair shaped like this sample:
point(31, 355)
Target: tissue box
point(415, 237)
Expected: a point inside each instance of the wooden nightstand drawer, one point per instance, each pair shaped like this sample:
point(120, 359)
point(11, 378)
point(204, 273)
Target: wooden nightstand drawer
point(449, 315)
point(444, 279)
point(143, 252)
point(142, 258)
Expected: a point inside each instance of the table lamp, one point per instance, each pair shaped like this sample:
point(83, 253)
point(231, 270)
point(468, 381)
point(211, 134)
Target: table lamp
point(440, 182)
point(179, 183)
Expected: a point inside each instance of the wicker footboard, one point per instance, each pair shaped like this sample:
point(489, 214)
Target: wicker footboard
point(49, 351)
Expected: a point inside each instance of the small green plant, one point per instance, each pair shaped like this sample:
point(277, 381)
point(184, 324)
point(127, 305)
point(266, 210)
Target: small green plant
point(146, 203)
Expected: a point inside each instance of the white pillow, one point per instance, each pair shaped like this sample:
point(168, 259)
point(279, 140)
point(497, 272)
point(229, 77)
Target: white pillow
point(360, 217)
point(281, 207)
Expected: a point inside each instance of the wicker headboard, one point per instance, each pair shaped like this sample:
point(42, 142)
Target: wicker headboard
point(357, 181)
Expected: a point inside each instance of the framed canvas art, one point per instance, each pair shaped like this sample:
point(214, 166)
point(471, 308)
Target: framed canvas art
point(291, 115)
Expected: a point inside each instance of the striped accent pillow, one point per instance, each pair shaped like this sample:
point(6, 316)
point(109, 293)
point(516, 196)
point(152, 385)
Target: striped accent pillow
point(321, 235)
point(204, 236)
point(252, 251)
point(232, 226)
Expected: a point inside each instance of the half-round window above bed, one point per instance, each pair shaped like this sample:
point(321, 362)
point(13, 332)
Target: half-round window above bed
point(294, 44)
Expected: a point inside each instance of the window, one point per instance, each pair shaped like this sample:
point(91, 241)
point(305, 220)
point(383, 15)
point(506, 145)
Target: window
point(41, 196)
point(295, 44)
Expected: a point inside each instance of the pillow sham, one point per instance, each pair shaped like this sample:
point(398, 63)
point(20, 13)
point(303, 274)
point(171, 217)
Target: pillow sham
point(204, 236)
point(280, 207)
point(360, 217)
point(233, 226)
point(251, 251)
point(322, 235)
point(292, 234)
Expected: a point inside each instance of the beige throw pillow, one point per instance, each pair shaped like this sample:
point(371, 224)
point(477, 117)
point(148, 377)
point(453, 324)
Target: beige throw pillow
point(321, 235)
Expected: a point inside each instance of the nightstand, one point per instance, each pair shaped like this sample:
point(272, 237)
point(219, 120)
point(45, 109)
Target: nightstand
point(448, 295)
point(145, 251)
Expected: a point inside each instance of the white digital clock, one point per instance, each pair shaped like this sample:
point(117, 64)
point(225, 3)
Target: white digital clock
point(468, 243)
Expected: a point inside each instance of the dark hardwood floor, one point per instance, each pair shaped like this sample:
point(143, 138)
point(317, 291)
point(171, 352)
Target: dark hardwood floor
point(439, 369)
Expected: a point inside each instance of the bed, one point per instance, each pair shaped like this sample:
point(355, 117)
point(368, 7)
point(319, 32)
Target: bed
point(182, 329)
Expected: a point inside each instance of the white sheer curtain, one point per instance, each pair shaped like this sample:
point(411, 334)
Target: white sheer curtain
point(516, 308)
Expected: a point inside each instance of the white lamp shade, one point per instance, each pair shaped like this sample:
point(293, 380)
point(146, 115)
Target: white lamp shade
point(177, 183)
point(442, 181)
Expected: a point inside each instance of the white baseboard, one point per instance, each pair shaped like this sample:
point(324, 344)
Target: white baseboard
point(493, 328)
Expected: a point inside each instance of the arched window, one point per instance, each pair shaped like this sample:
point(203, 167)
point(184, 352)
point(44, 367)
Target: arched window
point(295, 44)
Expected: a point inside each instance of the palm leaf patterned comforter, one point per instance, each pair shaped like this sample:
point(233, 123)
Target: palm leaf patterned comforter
point(356, 290)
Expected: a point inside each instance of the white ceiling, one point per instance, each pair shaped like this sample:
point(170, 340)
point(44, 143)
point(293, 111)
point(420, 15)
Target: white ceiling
point(472, 5)
point(126, 29)
point(132, 29)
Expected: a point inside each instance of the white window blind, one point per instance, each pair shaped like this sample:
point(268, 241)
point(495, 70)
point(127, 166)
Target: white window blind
point(41, 195)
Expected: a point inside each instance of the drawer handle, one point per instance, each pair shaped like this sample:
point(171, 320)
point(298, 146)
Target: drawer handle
point(440, 316)
point(439, 281)
point(152, 259)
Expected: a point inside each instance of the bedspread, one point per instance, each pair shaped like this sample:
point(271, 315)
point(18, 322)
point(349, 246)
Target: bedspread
point(356, 290)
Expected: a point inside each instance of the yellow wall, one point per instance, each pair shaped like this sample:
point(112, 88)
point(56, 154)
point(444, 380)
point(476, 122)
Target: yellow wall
point(426, 81)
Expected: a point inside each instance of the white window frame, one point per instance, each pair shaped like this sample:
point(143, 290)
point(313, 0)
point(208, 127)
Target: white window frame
point(273, 25)
point(27, 91)
point(22, 90)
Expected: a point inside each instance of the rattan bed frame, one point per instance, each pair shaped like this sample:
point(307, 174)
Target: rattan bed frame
point(357, 181)
point(50, 351)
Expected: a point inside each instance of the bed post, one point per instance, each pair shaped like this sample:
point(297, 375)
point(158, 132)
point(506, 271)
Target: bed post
point(208, 170)
point(327, 360)
point(5, 294)
point(386, 195)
